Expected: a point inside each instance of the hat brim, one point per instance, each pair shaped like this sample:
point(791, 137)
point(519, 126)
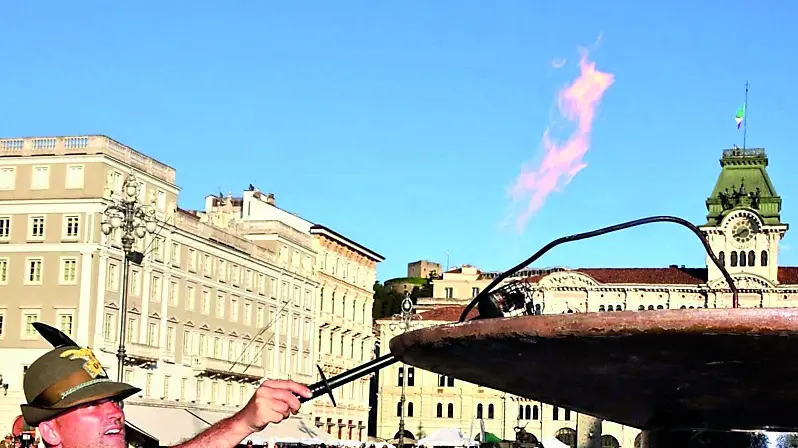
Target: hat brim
point(34, 415)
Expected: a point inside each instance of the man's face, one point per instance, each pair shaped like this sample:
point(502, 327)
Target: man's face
point(97, 425)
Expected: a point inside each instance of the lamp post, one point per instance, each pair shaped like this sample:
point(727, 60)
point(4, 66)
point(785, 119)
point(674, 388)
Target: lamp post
point(404, 318)
point(135, 220)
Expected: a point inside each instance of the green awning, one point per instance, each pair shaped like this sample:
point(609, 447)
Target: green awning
point(489, 438)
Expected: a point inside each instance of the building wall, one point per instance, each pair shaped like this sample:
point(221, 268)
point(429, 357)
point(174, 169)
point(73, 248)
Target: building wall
point(423, 268)
point(210, 313)
point(344, 337)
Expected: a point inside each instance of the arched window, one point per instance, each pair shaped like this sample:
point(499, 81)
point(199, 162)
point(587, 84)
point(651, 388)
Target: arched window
point(733, 259)
point(527, 412)
point(751, 258)
point(608, 441)
point(439, 411)
point(651, 307)
point(538, 309)
point(490, 411)
point(764, 258)
point(479, 410)
point(641, 308)
point(722, 258)
point(601, 308)
point(566, 436)
point(450, 410)
point(410, 409)
point(520, 412)
point(568, 414)
point(743, 258)
point(399, 409)
point(535, 414)
point(660, 307)
point(555, 412)
point(682, 307)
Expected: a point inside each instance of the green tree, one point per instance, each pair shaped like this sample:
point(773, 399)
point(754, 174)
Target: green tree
point(387, 302)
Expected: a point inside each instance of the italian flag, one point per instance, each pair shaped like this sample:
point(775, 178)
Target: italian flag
point(740, 116)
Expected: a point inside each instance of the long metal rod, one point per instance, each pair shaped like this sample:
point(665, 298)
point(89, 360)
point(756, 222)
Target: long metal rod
point(326, 386)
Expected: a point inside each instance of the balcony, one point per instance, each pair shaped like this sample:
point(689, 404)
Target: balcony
point(221, 368)
point(87, 144)
point(142, 355)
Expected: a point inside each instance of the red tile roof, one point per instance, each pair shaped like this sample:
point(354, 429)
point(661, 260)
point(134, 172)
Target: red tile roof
point(788, 275)
point(447, 313)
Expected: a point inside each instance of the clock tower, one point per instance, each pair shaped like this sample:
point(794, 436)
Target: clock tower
point(744, 225)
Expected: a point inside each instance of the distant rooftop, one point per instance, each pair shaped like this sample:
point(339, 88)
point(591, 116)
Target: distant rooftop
point(86, 144)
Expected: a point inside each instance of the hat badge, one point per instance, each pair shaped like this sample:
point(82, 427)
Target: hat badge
point(91, 365)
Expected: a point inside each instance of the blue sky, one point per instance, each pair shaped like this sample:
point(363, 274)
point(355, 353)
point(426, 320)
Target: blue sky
point(403, 124)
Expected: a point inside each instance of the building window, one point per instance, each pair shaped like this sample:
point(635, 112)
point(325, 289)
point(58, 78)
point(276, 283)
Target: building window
point(40, 178)
point(555, 413)
point(400, 376)
point(74, 176)
point(449, 293)
point(3, 271)
point(108, 326)
point(742, 258)
point(34, 274)
point(763, 256)
point(490, 411)
point(161, 204)
point(65, 323)
point(71, 226)
point(751, 258)
point(450, 410)
point(191, 298)
point(535, 412)
point(5, 227)
point(29, 317)
point(206, 302)
point(733, 259)
point(69, 271)
point(37, 227)
point(152, 334)
point(474, 292)
point(2, 323)
point(567, 414)
point(8, 175)
point(173, 293)
point(234, 310)
point(148, 385)
point(170, 339)
point(479, 410)
point(439, 410)
point(722, 258)
point(410, 409)
point(399, 409)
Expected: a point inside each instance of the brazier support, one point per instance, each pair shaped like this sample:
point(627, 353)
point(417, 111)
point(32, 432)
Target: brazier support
point(588, 431)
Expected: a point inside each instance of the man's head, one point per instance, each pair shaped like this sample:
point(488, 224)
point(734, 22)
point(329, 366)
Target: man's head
point(73, 402)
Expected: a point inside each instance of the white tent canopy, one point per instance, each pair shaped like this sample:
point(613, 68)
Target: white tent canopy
point(553, 442)
point(447, 437)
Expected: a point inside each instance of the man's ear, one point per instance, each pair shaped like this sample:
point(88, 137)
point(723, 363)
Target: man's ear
point(49, 432)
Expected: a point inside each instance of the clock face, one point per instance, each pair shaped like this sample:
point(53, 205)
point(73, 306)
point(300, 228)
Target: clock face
point(743, 231)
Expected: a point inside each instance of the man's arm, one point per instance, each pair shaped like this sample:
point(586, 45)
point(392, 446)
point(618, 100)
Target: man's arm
point(272, 402)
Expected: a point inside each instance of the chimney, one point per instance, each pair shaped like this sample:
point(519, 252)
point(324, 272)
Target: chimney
point(673, 266)
point(270, 199)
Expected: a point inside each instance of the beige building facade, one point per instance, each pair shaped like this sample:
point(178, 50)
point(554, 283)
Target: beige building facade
point(218, 303)
point(346, 272)
point(744, 229)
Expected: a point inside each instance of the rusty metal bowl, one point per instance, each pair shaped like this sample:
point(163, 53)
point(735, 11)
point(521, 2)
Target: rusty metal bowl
point(694, 369)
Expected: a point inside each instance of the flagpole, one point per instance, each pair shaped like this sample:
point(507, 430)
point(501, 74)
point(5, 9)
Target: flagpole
point(745, 115)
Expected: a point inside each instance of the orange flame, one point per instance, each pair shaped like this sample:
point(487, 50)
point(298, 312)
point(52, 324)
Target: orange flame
point(562, 161)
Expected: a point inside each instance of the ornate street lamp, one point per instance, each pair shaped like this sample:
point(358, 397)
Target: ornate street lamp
point(135, 220)
point(403, 323)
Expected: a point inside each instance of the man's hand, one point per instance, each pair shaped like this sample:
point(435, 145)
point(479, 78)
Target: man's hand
point(273, 401)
